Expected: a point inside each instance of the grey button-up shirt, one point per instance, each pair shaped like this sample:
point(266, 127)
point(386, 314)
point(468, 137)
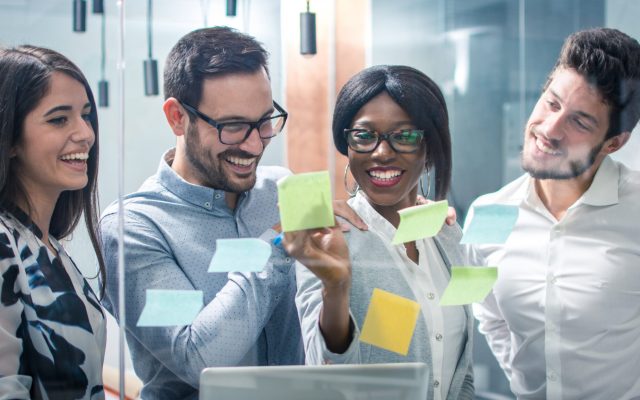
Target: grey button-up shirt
point(171, 227)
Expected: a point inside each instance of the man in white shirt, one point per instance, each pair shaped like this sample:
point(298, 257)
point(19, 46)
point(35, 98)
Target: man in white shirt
point(563, 319)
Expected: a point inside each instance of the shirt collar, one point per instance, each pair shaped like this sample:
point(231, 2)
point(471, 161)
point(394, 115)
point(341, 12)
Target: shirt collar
point(197, 195)
point(604, 188)
point(371, 217)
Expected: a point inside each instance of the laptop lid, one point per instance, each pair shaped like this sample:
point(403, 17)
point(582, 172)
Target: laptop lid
point(398, 381)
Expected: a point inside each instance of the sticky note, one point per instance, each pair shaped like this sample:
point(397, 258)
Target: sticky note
point(420, 222)
point(469, 285)
point(240, 255)
point(170, 307)
point(390, 322)
point(490, 224)
point(305, 201)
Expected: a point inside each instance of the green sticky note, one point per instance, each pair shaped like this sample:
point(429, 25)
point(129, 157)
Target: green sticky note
point(490, 224)
point(240, 255)
point(469, 285)
point(390, 322)
point(420, 222)
point(170, 307)
point(305, 201)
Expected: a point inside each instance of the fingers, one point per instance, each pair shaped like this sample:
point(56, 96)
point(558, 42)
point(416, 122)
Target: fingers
point(421, 200)
point(451, 216)
point(342, 209)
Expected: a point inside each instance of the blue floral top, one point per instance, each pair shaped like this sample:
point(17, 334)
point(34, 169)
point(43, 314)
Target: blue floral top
point(52, 328)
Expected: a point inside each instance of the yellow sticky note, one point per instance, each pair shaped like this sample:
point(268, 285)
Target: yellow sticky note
point(420, 222)
point(305, 201)
point(390, 322)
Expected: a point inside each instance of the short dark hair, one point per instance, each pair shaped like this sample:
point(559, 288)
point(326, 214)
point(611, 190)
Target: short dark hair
point(610, 61)
point(417, 95)
point(209, 52)
point(25, 75)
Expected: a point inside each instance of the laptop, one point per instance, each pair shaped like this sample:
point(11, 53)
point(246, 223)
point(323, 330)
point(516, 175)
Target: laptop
point(397, 381)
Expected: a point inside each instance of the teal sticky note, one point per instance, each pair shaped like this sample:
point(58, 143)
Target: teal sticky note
point(170, 307)
point(469, 285)
point(490, 224)
point(240, 255)
point(305, 201)
point(420, 222)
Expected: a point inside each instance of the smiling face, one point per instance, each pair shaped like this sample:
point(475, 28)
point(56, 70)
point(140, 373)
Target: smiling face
point(228, 98)
point(389, 179)
point(51, 153)
point(565, 134)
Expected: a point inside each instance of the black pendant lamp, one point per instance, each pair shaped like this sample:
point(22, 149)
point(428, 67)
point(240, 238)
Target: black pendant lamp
point(103, 84)
point(307, 32)
point(79, 15)
point(231, 8)
point(150, 65)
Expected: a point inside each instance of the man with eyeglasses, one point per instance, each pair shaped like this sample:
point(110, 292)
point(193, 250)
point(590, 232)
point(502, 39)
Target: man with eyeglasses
point(219, 106)
point(563, 319)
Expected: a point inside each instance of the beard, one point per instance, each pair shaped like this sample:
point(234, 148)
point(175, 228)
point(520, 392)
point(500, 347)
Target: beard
point(211, 171)
point(575, 168)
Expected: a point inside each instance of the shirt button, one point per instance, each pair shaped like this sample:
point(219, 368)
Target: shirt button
point(438, 337)
point(287, 260)
point(207, 204)
point(436, 383)
point(552, 376)
point(431, 296)
point(217, 196)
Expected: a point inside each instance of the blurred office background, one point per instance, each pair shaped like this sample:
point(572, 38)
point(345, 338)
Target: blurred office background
point(490, 57)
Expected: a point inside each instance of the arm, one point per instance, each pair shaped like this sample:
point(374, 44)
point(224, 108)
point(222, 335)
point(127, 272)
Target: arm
point(491, 323)
point(324, 251)
point(12, 384)
point(224, 330)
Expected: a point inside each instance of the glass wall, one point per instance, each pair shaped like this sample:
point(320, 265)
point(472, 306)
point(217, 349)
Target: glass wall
point(490, 57)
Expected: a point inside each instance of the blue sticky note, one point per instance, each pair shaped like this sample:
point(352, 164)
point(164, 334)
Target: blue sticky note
point(240, 255)
point(490, 224)
point(170, 307)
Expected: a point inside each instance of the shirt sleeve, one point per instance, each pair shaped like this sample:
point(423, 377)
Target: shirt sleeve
point(309, 304)
point(225, 329)
point(491, 322)
point(12, 384)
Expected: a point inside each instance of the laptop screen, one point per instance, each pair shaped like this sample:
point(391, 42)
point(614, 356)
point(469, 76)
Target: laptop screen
point(398, 381)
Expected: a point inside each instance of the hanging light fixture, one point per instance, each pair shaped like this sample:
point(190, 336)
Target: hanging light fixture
point(307, 32)
point(231, 8)
point(150, 65)
point(98, 6)
point(103, 84)
point(79, 15)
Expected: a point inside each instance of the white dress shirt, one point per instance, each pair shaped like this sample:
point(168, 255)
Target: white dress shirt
point(564, 316)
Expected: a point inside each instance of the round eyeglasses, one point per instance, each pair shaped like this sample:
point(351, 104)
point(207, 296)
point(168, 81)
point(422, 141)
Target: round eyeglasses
point(236, 132)
point(402, 141)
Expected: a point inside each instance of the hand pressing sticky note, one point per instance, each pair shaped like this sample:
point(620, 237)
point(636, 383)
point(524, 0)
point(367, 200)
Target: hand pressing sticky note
point(170, 307)
point(240, 255)
point(305, 201)
point(469, 285)
point(390, 322)
point(420, 222)
point(490, 224)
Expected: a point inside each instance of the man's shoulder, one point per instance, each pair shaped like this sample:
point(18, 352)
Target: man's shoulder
point(150, 194)
point(629, 182)
point(512, 192)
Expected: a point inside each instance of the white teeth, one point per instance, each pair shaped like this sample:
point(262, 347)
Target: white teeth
point(546, 149)
point(75, 156)
point(245, 162)
point(385, 174)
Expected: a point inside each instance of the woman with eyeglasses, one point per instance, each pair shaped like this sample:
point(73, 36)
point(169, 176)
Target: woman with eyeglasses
point(392, 124)
point(52, 328)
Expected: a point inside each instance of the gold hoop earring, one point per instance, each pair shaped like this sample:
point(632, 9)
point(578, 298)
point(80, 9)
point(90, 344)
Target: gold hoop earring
point(346, 186)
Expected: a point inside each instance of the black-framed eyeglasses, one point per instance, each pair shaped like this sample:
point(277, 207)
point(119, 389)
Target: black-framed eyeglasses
point(236, 132)
point(402, 141)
